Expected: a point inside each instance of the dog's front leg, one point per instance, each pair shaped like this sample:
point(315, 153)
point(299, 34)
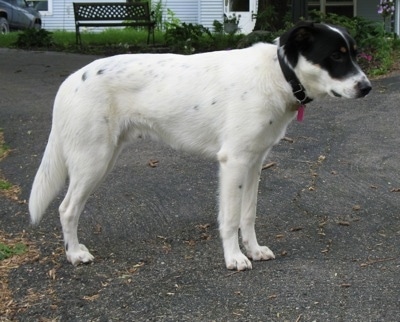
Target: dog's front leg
point(248, 216)
point(232, 179)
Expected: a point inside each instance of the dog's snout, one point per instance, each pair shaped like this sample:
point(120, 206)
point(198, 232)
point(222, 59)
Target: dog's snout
point(364, 88)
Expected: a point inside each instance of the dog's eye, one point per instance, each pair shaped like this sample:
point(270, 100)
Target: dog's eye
point(337, 56)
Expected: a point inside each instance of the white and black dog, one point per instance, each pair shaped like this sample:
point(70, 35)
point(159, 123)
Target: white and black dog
point(230, 105)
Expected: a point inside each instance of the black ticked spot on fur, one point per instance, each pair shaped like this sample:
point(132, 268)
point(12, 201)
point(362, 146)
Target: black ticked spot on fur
point(66, 247)
point(240, 186)
point(214, 101)
point(100, 71)
point(84, 76)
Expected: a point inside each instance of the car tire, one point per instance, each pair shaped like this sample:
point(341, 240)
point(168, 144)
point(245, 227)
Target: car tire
point(4, 26)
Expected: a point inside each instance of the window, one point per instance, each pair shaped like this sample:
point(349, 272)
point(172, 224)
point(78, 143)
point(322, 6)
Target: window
point(237, 5)
point(44, 6)
point(340, 7)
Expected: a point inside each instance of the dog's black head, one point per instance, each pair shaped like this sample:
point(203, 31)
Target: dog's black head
point(323, 57)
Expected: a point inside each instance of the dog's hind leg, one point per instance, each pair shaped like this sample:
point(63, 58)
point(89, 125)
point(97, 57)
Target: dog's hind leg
point(85, 175)
point(248, 216)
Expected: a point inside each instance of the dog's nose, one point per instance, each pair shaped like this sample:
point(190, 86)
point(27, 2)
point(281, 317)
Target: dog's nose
point(364, 88)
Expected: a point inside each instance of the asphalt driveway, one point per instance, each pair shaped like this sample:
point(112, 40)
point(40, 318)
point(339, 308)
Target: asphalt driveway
point(328, 208)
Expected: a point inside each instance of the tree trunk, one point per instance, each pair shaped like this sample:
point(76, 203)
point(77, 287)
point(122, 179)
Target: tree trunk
point(271, 14)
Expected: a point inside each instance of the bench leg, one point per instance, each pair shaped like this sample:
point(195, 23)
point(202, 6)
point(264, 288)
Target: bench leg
point(78, 39)
point(151, 31)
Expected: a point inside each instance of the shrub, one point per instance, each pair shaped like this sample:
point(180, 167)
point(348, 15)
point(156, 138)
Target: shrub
point(33, 38)
point(186, 37)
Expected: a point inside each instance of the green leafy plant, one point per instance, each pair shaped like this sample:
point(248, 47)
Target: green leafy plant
point(218, 27)
point(9, 251)
point(157, 8)
point(33, 38)
point(386, 8)
point(231, 19)
point(231, 24)
point(266, 19)
point(5, 185)
point(172, 21)
point(186, 37)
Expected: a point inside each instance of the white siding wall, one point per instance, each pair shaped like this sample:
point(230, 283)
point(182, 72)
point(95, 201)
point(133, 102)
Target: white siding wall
point(196, 11)
point(60, 16)
point(185, 10)
point(368, 9)
point(211, 10)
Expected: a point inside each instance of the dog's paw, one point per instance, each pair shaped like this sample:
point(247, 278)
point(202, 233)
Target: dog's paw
point(238, 262)
point(82, 255)
point(261, 253)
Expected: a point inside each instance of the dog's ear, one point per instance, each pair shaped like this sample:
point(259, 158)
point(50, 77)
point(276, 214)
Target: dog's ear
point(303, 34)
point(299, 35)
point(296, 40)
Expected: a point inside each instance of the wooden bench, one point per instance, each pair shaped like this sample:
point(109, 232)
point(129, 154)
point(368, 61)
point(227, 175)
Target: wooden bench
point(114, 14)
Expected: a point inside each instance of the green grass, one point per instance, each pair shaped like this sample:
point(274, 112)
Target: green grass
point(111, 36)
point(7, 251)
point(8, 40)
point(5, 185)
point(4, 149)
point(108, 37)
point(124, 36)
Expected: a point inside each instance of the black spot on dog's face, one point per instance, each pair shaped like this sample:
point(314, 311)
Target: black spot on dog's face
point(100, 71)
point(336, 54)
point(328, 47)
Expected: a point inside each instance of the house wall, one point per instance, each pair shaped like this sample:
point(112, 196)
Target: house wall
point(186, 11)
point(368, 9)
point(211, 10)
point(202, 12)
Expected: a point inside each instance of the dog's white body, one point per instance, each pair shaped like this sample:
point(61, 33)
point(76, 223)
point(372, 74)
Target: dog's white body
point(230, 105)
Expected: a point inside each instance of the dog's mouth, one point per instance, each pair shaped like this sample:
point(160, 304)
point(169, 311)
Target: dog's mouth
point(336, 94)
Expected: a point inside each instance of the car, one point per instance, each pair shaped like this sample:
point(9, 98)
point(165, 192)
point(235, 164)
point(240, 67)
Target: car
point(18, 14)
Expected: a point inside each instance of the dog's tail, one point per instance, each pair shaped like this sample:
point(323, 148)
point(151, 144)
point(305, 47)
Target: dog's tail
point(49, 180)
